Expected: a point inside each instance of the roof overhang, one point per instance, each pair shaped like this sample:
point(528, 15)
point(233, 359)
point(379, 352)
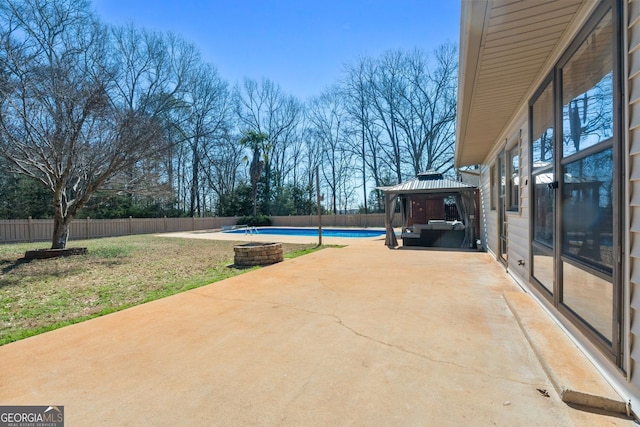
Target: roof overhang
point(506, 49)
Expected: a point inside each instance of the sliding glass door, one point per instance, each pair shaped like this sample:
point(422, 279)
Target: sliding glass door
point(575, 170)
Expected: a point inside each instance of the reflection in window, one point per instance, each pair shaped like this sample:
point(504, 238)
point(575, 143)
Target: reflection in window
point(542, 166)
point(514, 178)
point(543, 205)
point(590, 297)
point(492, 188)
point(502, 176)
point(587, 211)
point(502, 206)
point(543, 268)
point(587, 92)
point(542, 129)
point(574, 192)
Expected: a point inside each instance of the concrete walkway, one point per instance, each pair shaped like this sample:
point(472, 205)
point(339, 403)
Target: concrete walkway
point(360, 335)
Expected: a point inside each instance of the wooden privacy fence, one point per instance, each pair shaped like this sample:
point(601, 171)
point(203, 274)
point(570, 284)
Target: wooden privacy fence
point(38, 230)
point(41, 230)
point(357, 220)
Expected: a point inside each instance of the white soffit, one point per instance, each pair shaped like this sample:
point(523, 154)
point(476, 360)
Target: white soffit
point(504, 45)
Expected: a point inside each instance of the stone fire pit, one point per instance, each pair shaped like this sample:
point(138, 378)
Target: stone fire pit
point(254, 253)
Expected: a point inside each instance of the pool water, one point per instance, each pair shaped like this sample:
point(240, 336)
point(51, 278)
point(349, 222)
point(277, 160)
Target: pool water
point(326, 232)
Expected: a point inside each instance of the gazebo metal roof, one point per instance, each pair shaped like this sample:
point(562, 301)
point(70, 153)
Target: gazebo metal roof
point(427, 182)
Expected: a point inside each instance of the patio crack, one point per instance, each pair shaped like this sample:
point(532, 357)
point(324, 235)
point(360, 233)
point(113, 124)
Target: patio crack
point(424, 356)
point(338, 320)
point(303, 389)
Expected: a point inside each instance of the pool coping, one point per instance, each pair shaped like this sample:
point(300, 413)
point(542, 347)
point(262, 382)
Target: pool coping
point(381, 230)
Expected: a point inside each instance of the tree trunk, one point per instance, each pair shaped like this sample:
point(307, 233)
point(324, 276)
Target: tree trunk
point(255, 170)
point(60, 232)
point(254, 196)
point(267, 188)
point(195, 180)
point(364, 170)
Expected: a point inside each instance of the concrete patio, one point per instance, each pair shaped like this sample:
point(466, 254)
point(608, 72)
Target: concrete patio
point(360, 335)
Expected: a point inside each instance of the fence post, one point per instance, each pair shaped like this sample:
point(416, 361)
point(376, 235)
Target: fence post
point(130, 226)
point(193, 223)
point(86, 228)
point(165, 223)
point(29, 228)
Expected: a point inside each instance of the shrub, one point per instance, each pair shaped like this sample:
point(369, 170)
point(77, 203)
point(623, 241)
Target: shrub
point(254, 221)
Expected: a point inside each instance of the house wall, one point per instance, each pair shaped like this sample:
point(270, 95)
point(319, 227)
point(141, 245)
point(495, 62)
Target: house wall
point(518, 222)
point(633, 186)
point(518, 228)
point(488, 217)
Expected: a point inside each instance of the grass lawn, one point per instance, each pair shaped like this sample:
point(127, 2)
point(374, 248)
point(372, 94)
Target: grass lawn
point(117, 273)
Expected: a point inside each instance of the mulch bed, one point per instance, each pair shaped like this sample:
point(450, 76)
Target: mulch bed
point(53, 253)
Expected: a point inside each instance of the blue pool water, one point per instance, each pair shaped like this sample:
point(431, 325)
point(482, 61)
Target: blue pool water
point(326, 232)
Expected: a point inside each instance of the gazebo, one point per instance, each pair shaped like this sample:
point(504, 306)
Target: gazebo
point(436, 212)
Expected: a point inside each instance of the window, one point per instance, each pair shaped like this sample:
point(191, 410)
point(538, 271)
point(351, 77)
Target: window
point(542, 131)
point(587, 210)
point(502, 208)
point(587, 92)
point(492, 187)
point(514, 178)
point(542, 177)
point(587, 154)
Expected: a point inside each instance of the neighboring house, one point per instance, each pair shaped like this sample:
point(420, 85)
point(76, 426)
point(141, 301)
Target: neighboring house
point(549, 107)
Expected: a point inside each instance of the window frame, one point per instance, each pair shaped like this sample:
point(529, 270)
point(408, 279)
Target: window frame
point(513, 197)
point(493, 191)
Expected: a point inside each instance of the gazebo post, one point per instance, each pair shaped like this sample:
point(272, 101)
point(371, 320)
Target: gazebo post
point(403, 213)
point(390, 238)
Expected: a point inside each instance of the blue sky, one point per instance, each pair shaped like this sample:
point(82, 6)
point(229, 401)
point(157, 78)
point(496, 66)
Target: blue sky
point(300, 45)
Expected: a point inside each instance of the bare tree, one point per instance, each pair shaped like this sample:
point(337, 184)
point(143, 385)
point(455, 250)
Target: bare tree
point(207, 123)
point(329, 118)
point(295, 160)
point(357, 104)
point(428, 109)
point(151, 70)
point(310, 157)
point(264, 108)
point(367, 131)
point(387, 87)
point(403, 108)
point(59, 121)
point(225, 161)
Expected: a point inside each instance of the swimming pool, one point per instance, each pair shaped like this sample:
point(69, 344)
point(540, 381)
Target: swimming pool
point(326, 232)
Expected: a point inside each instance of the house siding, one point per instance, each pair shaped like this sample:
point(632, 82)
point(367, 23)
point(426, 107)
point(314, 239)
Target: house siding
point(633, 60)
point(518, 222)
point(489, 218)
